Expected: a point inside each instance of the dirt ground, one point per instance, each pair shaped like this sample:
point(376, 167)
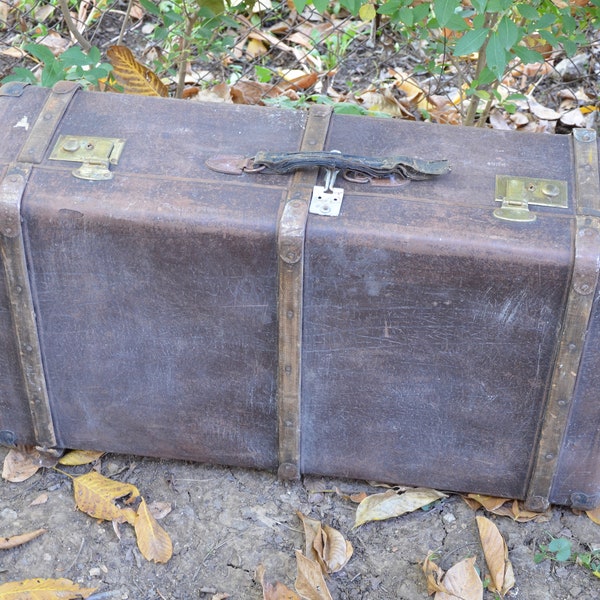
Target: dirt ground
point(225, 522)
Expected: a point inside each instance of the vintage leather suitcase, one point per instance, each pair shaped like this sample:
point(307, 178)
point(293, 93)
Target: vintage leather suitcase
point(165, 294)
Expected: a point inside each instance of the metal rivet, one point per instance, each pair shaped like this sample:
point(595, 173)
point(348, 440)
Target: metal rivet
point(71, 145)
point(291, 255)
point(8, 230)
point(562, 402)
point(14, 178)
point(572, 346)
point(550, 189)
point(290, 314)
point(18, 289)
point(28, 348)
point(48, 116)
point(549, 456)
point(288, 369)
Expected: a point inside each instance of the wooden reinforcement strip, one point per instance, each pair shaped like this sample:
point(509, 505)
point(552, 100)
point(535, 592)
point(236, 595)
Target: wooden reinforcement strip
point(290, 243)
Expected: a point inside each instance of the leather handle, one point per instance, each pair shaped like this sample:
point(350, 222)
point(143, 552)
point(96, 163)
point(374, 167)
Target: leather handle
point(404, 166)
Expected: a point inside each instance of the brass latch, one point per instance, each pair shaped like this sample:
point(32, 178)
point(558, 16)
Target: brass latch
point(96, 154)
point(517, 193)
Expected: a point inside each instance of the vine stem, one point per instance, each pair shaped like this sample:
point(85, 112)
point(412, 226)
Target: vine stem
point(66, 13)
point(490, 21)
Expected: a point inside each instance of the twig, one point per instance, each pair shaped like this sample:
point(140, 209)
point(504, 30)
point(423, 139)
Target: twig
point(125, 21)
point(65, 569)
point(64, 8)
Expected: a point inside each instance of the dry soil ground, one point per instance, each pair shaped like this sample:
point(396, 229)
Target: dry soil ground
point(225, 522)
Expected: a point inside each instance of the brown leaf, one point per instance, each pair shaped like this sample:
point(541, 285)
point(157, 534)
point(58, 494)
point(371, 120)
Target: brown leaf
point(461, 582)
point(19, 540)
point(43, 589)
point(312, 533)
point(434, 575)
point(77, 458)
point(153, 541)
point(337, 551)
point(594, 515)
point(22, 463)
point(276, 591)
point(160, 510)
point(132, 75)
point(378, 507)
point(41, 499)
point(542, 112)
point(96, 495)
point(496, 556)
point(488, 502)
point(310, 583)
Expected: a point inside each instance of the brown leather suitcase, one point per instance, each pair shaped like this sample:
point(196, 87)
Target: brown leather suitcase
point(175, 285)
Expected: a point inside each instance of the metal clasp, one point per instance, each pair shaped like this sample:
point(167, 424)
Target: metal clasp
point(327, 200)
point(96, 154)
point(517, 193)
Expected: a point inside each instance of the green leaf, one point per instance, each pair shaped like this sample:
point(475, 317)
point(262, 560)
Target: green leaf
point(471, 41)
point(21, 74)
point(545, 20)
point(263, 74)
point(406, 15)
point(496, 56)
point(527, 55)
point(42, 53)
point(508, 33)
point(444, 10)
point(570, 47)
point(539, 557)
point(320, 5)
point(74, 56)
point(479, 5)
point(561, 547)
point(52, 74)
point(150, 7)
point(527, 11)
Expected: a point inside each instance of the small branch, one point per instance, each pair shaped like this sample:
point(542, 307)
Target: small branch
point(125, 21)
point(64, 8)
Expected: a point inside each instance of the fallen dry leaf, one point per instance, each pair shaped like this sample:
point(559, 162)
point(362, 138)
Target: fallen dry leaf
point(41, 499)
point(160, 510)
point(153, 541)
point(22, 463)
point(501, 508)
point(310, 583)
point(18, 540)
point(325, 545)
point(461, 582)
point(77, 458)
point(387, 505)
point(43, 589)
point(594, 515)
point(132, 75)
point(496, 556)
point(276, 591)
point(542, 112)
point(434, 576)
point(96, 495)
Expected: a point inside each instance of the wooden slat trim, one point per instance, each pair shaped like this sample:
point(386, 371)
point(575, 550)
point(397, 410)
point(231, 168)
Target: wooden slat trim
point(580, 299)
point(290, 243)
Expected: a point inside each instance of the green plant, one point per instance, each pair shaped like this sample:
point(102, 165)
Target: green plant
point(560, 550)
point(481, 40)
point(73, 65)
point(189, 28)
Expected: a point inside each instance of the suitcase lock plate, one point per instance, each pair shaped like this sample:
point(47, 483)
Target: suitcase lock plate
point(517, 193)
point(95, 153)
point(326, 200)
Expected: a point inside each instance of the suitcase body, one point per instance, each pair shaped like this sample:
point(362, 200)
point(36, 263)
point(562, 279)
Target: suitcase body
point(443, 332)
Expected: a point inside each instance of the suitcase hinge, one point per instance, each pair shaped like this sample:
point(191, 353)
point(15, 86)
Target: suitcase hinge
point(96, 154)
point(517, 193)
